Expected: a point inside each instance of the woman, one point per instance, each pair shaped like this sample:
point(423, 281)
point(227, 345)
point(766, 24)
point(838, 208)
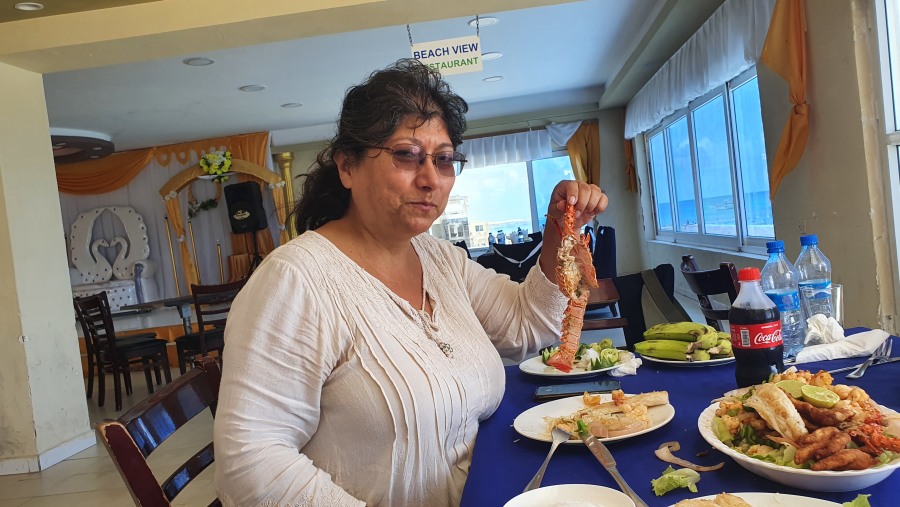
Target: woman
point(363, 354)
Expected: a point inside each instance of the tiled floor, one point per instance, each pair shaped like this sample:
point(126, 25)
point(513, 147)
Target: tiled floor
point(90, 478)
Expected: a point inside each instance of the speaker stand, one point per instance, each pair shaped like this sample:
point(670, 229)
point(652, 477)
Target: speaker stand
point(257, 259)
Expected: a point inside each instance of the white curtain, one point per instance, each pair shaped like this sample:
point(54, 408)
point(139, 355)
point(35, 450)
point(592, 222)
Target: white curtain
point(728, 43)
point(142, 194)
point(506, 149)
point(560, 133)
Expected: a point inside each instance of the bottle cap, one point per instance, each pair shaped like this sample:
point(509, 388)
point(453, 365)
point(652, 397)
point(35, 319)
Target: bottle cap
point(809, 239)
point(775, 246)
point(748, 274)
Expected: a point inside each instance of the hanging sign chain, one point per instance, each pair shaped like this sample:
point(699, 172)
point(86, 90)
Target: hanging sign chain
point(477, 27)
point(409, 33)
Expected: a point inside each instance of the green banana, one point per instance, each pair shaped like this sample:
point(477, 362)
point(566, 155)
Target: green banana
point(676, 350)
point(722, 349)
point(706, 341)
point(684, 331)
point(700, 355)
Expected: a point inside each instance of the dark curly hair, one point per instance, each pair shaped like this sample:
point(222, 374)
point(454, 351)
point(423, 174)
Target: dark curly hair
point(370, 114)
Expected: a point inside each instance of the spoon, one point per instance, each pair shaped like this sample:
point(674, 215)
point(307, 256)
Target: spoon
point(559, 436)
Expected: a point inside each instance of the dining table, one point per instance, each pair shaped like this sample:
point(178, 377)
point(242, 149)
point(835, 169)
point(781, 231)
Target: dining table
point(503, 461)
point(181, 303)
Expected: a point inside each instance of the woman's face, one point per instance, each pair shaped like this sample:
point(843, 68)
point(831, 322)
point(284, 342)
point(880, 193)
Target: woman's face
point(395, 202)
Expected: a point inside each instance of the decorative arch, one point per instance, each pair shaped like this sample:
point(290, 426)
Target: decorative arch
point(180, 181)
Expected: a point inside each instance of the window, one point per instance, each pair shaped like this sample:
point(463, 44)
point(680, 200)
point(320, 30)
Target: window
point(504, 203)
point(710, 184)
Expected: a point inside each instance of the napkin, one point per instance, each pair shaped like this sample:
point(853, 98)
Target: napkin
point(627, 368)
point(856, 345)
point(822, 329)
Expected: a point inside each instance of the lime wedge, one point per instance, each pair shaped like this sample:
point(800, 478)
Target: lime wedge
point(792, 387)
point(819, 396)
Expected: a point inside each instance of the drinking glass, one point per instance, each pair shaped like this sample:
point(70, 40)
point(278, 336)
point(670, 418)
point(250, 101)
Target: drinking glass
point(828, 301)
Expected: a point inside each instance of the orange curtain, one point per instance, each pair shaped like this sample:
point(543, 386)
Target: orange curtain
point(630, 174)
point(102, 175)
point(785, 53)
point(584, 152)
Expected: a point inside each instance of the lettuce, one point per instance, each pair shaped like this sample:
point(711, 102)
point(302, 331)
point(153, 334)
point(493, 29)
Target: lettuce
point(859, 501)
point(673, 479)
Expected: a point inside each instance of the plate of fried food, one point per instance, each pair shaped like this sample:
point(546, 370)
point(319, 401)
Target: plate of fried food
point(609, 417)
point(754, 500)
point(802, 430)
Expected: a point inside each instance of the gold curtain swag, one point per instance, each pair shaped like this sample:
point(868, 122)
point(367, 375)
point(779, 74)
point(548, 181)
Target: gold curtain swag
point(102, 175)
point(584, 152)
point(784, 52)
point(630, 173)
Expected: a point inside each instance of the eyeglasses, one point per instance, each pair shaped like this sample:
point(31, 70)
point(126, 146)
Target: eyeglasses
point(409, 157)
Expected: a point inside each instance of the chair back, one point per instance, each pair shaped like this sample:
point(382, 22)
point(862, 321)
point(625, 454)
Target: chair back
point(211, 306)
point(604, 296)
point(631, 290)
point(135, 435)
point(95, 316)
point(704, 284)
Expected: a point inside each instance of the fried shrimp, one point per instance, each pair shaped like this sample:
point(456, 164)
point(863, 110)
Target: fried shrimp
point(820, 444)
point(845, 459)
point(822, 416)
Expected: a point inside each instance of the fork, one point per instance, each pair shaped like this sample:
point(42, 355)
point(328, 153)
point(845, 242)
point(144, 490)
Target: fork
point(559, 436)
point(881, 353)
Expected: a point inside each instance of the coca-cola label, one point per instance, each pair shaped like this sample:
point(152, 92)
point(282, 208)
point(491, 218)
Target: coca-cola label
point(756, 336)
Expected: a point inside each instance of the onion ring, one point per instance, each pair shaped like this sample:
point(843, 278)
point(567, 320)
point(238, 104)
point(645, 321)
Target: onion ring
point(664, 452)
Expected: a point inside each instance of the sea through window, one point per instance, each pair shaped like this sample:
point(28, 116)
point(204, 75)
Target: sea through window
point(710, 183)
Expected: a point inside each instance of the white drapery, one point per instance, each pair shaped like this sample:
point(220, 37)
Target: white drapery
point(560, 133)
point(506, 149)
point(141, 193)
point(728, 43)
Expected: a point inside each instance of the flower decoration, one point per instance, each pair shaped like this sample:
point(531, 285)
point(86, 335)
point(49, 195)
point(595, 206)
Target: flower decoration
point(217, 164)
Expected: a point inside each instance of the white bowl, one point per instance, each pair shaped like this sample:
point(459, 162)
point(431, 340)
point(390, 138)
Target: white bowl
point(571, 495)
point(826, 480)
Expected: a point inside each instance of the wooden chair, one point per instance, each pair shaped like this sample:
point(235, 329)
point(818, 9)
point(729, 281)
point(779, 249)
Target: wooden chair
point(117, 355)
point(704, 284)
point(130, 439)
point(211, 306)
point(660, 286)
point(605, 296)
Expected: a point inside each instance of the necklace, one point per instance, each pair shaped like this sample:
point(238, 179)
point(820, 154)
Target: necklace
point(429, 327)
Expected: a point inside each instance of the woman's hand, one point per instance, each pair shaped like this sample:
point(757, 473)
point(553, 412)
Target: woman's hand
point(588, 199)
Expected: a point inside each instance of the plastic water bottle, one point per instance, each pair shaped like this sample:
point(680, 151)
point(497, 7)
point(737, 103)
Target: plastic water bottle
point(815, 273)
point(780, 281)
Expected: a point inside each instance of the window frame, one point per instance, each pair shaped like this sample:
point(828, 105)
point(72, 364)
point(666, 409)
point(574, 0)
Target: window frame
point(742, 241)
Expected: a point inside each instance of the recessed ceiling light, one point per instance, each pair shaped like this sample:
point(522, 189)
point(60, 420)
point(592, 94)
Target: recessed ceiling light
point(483, 21)
point(29, 6)
point(252, 88)
point(291, 104)
point(198, 61)
point(492, 79)
point(493, 55)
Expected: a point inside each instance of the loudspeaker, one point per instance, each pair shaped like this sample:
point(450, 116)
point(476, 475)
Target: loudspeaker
point(245, 209)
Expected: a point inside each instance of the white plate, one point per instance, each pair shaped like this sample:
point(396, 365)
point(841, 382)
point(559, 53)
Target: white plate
point(531, 423)
point(826, 480)
point(689, 364)
point(571, 495)
point(536, 366)
point(778, 500)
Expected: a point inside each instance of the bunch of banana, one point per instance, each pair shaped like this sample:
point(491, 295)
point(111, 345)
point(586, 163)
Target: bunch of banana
point(684, 341)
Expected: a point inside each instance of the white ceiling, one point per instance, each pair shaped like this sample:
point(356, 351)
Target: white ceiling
point(554, 57)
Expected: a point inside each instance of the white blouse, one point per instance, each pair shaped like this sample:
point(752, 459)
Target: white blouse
point(336, 392)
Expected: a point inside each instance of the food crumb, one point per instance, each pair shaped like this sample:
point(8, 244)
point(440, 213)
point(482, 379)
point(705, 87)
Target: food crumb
point(701, 454)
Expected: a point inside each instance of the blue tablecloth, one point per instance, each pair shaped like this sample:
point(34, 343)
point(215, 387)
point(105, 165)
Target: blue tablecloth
point(504, 461)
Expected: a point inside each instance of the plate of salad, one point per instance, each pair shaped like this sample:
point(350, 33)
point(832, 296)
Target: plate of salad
point(590, 359)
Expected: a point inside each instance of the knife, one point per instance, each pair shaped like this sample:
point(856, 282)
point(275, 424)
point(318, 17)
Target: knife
point(855, 366)
point(609, 463)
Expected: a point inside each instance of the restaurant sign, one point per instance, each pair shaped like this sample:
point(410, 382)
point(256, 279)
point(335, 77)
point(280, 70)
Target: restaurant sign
point(450, 56)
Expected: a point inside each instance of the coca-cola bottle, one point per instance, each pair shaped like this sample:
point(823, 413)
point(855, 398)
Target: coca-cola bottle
point(755, 332)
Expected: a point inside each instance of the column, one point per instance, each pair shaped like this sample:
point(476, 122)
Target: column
point(43, 410)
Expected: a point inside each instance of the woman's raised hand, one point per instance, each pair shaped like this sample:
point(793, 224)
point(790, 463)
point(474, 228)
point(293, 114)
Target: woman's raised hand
point(588, 199)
